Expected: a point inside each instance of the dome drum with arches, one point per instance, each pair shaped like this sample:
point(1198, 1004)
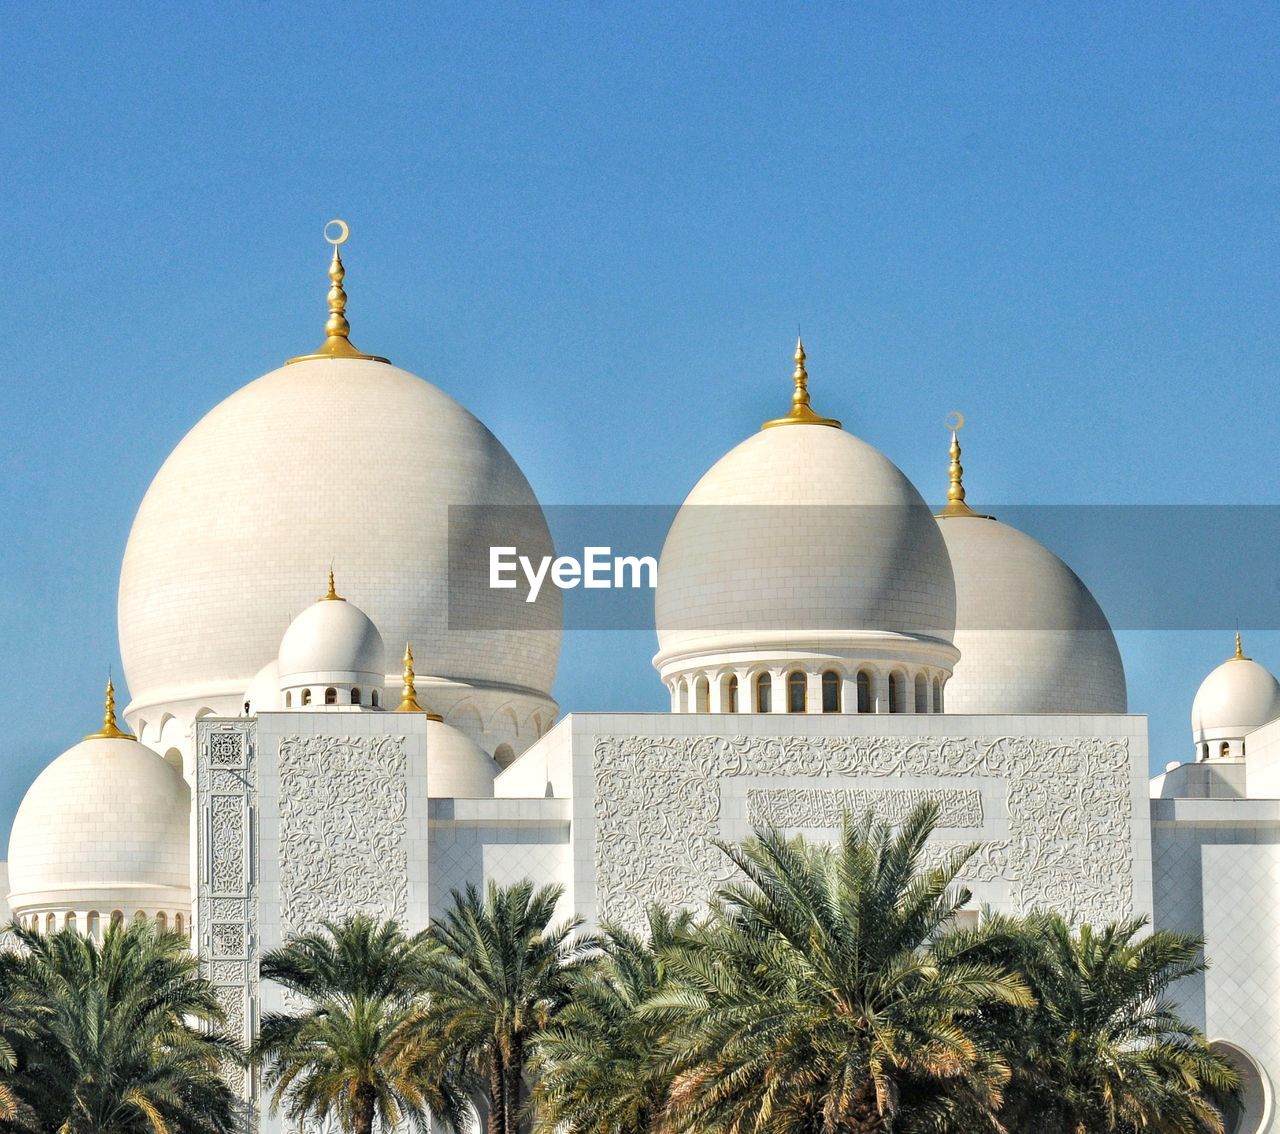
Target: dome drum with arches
point(802, 545)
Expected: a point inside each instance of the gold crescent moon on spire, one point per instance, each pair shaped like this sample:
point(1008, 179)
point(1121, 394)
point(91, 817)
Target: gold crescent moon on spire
point(337, 331)
point(955, 421)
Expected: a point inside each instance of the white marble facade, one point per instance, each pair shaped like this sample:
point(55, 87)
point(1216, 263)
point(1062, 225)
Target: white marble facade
point(952, 658)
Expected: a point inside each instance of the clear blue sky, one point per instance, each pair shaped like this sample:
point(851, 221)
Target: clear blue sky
point(599, 225)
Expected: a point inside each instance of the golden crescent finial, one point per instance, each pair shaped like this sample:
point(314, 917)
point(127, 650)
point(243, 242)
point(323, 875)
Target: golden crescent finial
point(801, 413)
point(955, 505)
point(110, 730)
point(337, 342)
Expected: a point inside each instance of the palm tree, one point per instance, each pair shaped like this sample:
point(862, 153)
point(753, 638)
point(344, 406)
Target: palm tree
point(1103, 1049)
point(598, 1068)
point(502, 976)
point(119, 1037)
point(350, 1052)
point(811, 1001)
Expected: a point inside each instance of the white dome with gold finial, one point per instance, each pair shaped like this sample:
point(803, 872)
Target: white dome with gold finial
point(337, 457)
point(1237, 697)
point(803, 550)
point(102, 830)
point(333, 652)
point(1032, 637)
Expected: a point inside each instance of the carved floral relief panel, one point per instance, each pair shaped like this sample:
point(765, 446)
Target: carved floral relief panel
point(1069, 846)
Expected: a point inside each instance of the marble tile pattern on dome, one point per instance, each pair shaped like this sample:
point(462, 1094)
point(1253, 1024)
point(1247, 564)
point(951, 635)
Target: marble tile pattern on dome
point(295, 677)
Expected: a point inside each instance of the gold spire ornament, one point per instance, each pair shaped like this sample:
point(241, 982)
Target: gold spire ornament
point(409, 694)
point(110, 730)
point(1240, 649)
point(955, 488)
point(337, 343)
point(801, 413)
point(332, 595)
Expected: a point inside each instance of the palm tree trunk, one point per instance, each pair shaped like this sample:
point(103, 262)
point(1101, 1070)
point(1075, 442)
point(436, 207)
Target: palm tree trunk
point(514, 1083)
point(365, 1099)
point(497, 1120)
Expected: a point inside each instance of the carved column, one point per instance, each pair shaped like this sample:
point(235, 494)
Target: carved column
point(226, 901)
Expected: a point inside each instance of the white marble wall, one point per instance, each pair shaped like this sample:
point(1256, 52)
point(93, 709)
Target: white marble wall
point(1217, 874)
point(1065, 815)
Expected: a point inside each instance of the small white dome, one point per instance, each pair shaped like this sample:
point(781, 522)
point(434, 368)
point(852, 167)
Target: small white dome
point(333, 640)
point(1032, 638)
point(804, 537)
point(457, 767)
point(263, 694)
point(1237, 697)
point(105, 827)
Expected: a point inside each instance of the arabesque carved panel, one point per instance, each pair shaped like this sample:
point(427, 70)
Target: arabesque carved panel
point(658, 800)
point(343, 802)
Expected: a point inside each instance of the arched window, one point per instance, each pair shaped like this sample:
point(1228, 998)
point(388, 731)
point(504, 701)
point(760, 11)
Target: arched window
point(895, 693)
point(50, 923)
point(1225, 750)
point(373, 698)
point(831, 692)
point(503, 756)
point(1205, 752)
point(764, 694)
point(246, 708)
point(937, 695)
point(70, 922)
point(864, 692)
point(162, 922)
point(355, 696)
point(92, 924)
point(139, 918)
point(117, 918)
point(306, 696)
point(797, 692)
point(177, 923)
point(702, 695)
point(331, 696)
point(731, 695)
point(922, 693)
point(288, 700)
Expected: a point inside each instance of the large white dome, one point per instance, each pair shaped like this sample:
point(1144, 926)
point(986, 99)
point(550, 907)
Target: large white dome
point(803, 534)
point(344, 461)
point(104, 827)
point(1032, 638)
point(1237, 697)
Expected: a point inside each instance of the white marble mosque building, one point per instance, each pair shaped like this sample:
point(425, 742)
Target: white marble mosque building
point(843, 649)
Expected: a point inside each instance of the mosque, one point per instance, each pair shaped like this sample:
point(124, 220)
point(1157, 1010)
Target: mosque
point(294, 751)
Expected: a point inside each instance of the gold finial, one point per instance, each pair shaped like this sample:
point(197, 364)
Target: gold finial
point(337, 343)
point(110, 730)
point(955, 489)
point(801, 413)
point(1240, 649)
point(332, 594)
point(409, 694)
